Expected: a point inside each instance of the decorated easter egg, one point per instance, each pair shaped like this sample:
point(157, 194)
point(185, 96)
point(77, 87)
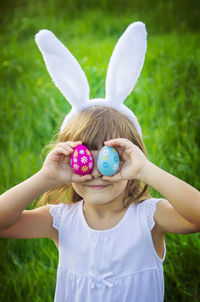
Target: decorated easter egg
point(108, 161)
point(81, 160)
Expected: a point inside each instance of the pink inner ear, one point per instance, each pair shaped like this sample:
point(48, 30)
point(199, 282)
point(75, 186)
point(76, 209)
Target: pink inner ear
point(81, 160)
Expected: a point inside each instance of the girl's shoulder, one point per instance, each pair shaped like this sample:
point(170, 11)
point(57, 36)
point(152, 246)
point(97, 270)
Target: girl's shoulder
point(149, 208)
point(169, 220)
point(57, 211)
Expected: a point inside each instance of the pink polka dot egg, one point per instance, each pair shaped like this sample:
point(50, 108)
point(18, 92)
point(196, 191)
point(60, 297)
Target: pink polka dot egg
point(81, 160)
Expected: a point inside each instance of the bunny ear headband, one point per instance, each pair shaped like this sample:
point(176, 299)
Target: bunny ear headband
point(123, 71)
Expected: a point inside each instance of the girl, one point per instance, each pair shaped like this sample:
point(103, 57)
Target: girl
point(108, 229)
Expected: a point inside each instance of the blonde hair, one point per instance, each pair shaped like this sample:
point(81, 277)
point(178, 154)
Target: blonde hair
point(93, 126)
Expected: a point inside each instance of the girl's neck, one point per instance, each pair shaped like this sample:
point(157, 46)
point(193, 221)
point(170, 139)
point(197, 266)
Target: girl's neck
point(104, 210)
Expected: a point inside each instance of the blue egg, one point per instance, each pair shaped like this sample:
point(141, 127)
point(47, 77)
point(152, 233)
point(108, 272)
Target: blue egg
point(108, 161)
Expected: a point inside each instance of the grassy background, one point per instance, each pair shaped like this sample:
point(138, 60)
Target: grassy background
point(165, 100)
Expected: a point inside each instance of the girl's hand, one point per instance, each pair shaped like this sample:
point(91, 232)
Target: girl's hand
point(57, 166)
point(133, 160)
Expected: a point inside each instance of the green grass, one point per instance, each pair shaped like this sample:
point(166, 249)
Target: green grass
point(165, 100)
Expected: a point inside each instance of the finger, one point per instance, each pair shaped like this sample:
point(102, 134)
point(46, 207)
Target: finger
point(86, 177)
point(62, 150)
point(75, 143)
point(120, 165)
point(62, 158)
point(111, 143)
point(68, 148)
point(113, 178)
point(124, 145)
point(122, 142)
point(119, 151)
point(78, 178)
point(69, 143)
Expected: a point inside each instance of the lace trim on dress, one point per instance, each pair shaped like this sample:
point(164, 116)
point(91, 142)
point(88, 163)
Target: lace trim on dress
point(56, 213)
point(149, 211)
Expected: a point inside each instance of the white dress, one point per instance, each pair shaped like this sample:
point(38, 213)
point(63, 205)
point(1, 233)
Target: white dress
point(114, 265)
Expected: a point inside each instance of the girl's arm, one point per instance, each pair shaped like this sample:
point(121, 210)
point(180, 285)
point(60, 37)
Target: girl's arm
point(183, 215)
point(56, 170)
point(15, 200)
point(183, 197)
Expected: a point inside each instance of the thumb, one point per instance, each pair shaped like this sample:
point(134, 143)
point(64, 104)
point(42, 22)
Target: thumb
point(116, 177)
point(78, 178)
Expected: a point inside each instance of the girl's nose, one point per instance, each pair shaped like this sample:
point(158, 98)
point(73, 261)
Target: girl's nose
point(95, 172)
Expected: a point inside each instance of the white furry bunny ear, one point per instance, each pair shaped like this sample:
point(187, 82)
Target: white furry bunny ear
point(63, 68)
point(126, 63)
